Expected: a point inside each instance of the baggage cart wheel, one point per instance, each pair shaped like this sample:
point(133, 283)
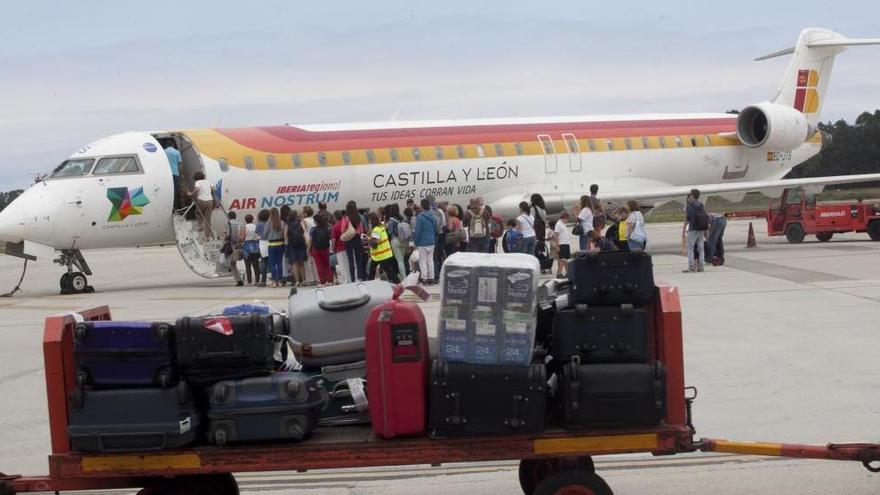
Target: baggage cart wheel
point(533, 471)
point(824, 236)
point(573, 482)
point(208, 484)
point(795, 233)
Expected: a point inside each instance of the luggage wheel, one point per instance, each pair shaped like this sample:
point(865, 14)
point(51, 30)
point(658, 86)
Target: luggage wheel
point(220, 437)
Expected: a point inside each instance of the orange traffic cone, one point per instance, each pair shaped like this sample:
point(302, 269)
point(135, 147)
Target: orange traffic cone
point(752, 243)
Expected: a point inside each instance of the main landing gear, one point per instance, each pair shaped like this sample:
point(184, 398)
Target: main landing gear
point(74, 281)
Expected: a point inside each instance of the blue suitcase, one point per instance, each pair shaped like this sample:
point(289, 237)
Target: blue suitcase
point(283, 406)
point(124, 354)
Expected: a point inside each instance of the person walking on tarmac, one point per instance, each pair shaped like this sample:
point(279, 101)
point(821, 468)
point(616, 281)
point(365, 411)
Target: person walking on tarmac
point(425, 239)
point(697, 224)
point(715, 239)
point(380, 251)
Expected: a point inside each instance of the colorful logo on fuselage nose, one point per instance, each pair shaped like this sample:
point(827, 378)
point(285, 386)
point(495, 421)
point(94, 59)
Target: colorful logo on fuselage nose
point(806, 97)
point(126, 202)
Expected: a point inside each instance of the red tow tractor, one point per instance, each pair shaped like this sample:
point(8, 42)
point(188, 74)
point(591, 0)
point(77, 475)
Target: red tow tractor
point(798, 214)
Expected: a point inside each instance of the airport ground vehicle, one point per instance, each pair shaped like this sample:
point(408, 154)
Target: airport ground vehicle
point(797, 214)
point(552, 462)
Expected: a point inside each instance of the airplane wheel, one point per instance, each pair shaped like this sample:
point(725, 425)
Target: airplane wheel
point(795, 233)
point(78, 283)
point(824, 236)
point(65, 283)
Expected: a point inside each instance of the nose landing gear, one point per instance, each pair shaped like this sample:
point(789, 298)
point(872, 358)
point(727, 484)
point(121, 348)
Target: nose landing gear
point(74, 281)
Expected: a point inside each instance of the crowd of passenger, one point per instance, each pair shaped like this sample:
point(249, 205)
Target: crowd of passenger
point(285, 246)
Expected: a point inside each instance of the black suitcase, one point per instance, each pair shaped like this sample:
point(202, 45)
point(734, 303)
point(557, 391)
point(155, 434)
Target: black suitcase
point(215, 348)
point(601, 334)
point(474, 399)
point(609, 395)
point(612, 277)
point(283, 406)
point(132, 420)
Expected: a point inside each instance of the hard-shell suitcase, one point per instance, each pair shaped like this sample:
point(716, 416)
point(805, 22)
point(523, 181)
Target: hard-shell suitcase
point(614, 277)
point(215, 348)
point(132, 420)
point(398, 362)
point(610, 334)
point(327, 324)
point(474, 399)
point(124, 353)
point(346, 388)
point(606, 395)
point(283, 406)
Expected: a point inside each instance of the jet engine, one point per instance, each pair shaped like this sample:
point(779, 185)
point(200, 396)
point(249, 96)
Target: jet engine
point(772, 127)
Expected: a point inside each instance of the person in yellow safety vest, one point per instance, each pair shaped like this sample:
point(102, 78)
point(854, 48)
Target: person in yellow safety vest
point(380, 251)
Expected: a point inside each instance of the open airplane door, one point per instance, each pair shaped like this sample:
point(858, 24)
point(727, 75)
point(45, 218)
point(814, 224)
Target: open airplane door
point(201, 253)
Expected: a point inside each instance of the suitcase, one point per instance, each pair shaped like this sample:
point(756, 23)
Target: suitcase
point(610, 334)
point(124, 354)
point(614, 277)
point(475, 399)
point(132, 420)
point(283, 406)
point(398, 362)
point(608, 395)
point(346, 389)
point(327, 324)
point(215, 348)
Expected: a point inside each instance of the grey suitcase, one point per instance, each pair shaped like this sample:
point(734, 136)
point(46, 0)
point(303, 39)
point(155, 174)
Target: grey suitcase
point(284, 406)
point(132, 420)
point(327, 325)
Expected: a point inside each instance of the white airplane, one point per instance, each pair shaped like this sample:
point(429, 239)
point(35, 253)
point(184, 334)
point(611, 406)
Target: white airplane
point(117, 191)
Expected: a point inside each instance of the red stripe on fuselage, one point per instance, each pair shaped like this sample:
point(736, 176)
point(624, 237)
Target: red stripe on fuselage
point(288, 139)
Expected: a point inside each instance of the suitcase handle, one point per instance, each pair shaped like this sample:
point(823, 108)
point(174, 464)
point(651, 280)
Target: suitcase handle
point(344, 304)
point(101, 436)
point(237, 354)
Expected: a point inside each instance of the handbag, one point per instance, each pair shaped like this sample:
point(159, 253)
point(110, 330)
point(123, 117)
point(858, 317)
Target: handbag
point(454, 237)
point(349, 232)
point(578, 229)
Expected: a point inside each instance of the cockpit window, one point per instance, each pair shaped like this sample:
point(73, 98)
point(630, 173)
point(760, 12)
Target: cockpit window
point(73, 168)
point(116, 165)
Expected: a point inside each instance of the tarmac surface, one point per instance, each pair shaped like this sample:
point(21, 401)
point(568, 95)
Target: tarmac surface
point(781, 342)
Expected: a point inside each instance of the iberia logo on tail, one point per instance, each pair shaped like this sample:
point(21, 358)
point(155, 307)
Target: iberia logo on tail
point(806, 97)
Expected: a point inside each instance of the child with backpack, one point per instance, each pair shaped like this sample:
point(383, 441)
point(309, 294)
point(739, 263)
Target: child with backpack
point(512, 239)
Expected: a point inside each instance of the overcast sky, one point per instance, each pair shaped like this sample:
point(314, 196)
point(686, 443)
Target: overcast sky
point(71, 72)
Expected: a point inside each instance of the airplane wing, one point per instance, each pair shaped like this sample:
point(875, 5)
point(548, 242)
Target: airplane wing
point(660, 193)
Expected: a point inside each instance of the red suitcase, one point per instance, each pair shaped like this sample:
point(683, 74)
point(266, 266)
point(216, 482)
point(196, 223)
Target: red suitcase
point(398, 364)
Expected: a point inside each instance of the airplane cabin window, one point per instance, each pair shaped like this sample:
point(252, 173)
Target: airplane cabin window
point(224, 165)
point(591, 144)
point(248, 163)
point(322, 159)
point(393, 154)
point(519, 148)
point(417, 154)
point(346, 157)
point(628, 143)
point(73, 168)
point(678, 141)
point(499, 150)
point(645, 143)
point(270, 161)
point(610, 143)
point(481, 152)
point(438, 152)
point(371, 156)
point(662, 141)
point(459, 150)
point(693, 141)
point(707, 140)
point(297, 160)
point(116, 165)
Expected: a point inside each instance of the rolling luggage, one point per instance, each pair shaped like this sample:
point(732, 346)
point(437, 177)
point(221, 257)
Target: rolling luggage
point(215, 348)
point(283, 406)
point(346, 390)
point(124, 353)
point(608, 395)
point(327, 324)
point(474, 399)
point(613, 277)
point(398, 362)
point(132, 420)
point(610, 334)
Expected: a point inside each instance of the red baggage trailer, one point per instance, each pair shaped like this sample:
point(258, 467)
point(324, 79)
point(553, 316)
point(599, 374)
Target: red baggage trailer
point(552, 462)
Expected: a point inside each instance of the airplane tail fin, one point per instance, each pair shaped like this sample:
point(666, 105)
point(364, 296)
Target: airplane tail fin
point(807, 76)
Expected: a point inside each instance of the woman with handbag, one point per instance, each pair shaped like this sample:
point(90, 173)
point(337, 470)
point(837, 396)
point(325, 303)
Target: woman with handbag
point(343, 276)
point(584, 222)
point(525, 224)
point(353, 236)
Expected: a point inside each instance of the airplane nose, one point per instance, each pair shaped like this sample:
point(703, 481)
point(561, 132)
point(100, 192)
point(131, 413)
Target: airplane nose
point(12, 223)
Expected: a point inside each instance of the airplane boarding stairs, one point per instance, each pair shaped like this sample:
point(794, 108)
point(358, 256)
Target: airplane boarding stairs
point(200, 253)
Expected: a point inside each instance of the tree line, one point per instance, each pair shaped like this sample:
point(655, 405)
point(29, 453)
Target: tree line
point(854, 149)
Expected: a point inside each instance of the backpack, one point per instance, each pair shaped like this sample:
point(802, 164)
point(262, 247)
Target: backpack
point(701, 218)
point(439, 220)
point(478, 227)
point(404, 232)
point(296, 236)
point(496, 227)
point(320, 238)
